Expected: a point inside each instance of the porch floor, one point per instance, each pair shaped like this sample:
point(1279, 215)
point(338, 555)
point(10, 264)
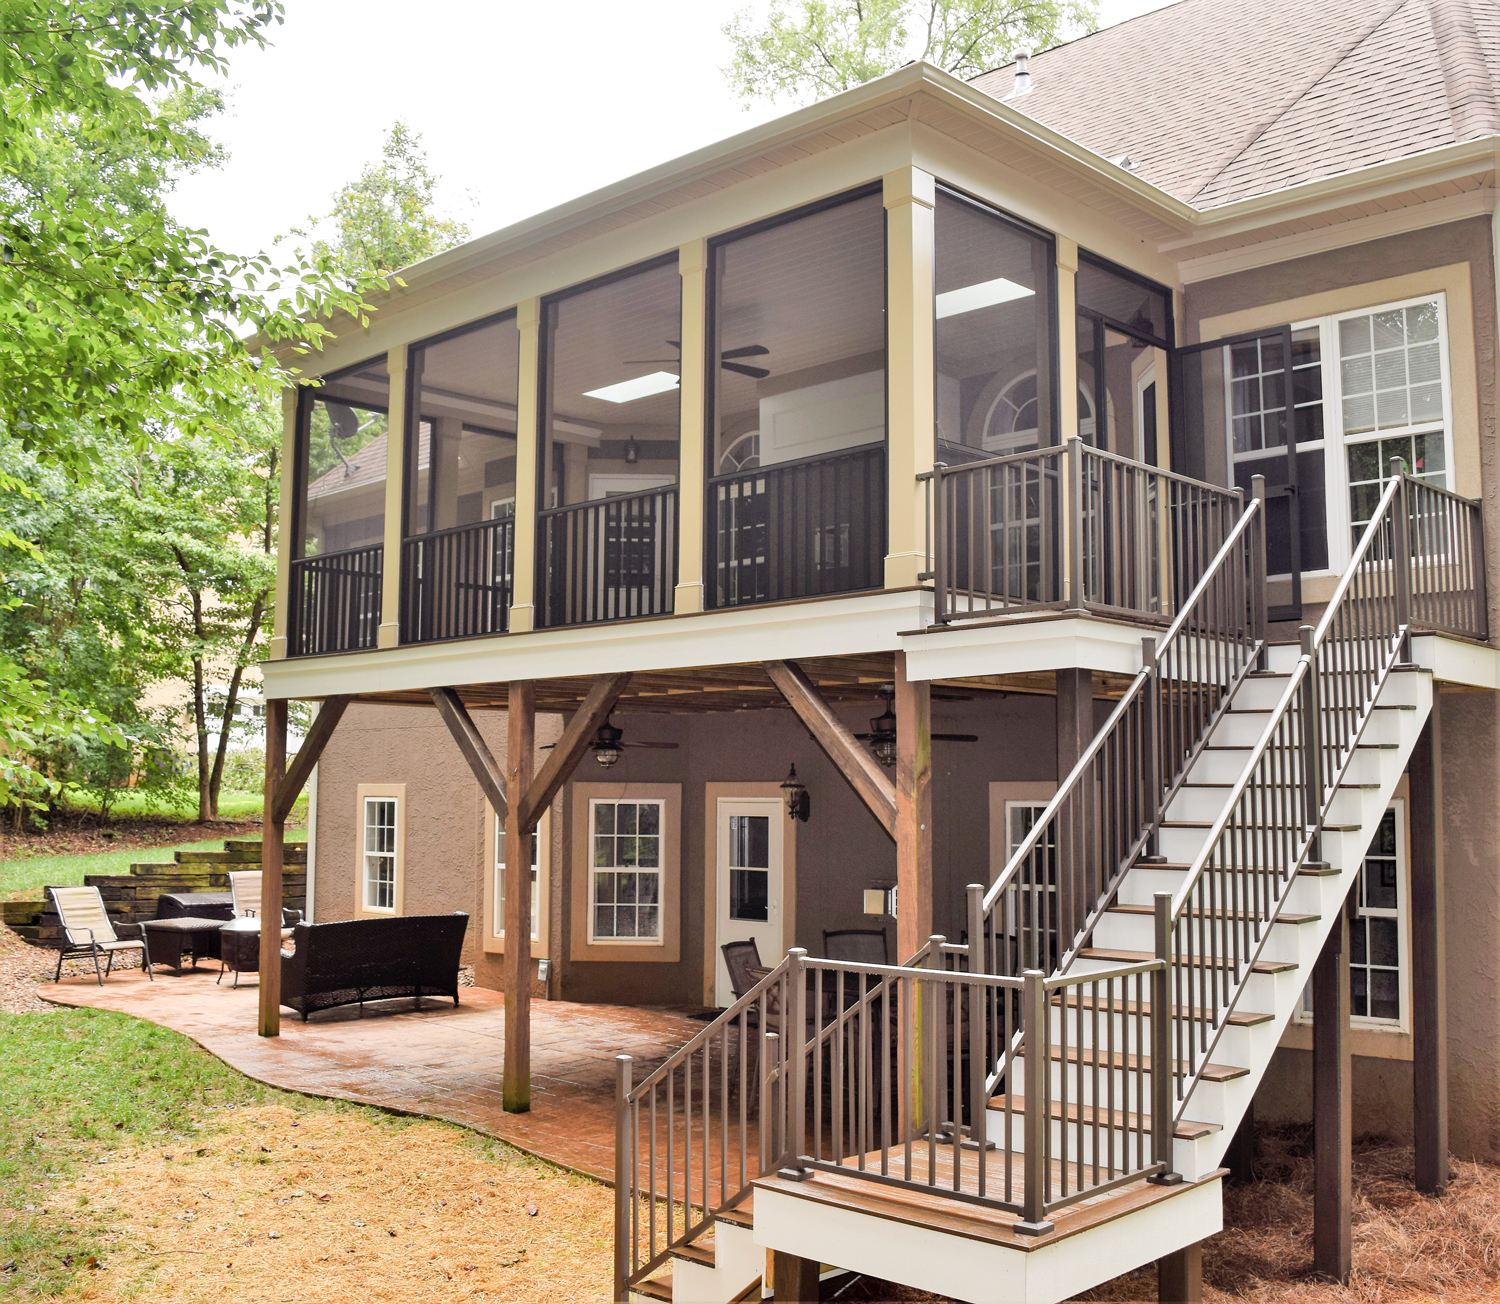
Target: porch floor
point(438, 1061)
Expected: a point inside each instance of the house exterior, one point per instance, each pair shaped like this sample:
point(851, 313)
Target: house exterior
point(934, 440)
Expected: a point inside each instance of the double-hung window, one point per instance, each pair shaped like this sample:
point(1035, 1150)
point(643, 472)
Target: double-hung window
point(625, 881)
point(536, 903)
point(379, 873)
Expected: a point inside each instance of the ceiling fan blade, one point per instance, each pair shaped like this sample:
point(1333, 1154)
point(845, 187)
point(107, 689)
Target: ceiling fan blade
point(633, 362)
point(746, 351)
point(664, 746)
point(755, 373)
point(864, 738)
point(955, 738)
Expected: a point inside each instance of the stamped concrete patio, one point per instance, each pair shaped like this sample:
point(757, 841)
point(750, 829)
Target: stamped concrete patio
point(438, 1061)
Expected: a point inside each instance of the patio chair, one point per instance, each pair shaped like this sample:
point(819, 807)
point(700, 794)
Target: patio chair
point(244, 892)
point(856, 945)
point(742, 959)
point(88, 930)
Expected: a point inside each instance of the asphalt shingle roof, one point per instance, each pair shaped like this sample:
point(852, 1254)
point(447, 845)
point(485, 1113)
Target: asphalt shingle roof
point(1216, 101)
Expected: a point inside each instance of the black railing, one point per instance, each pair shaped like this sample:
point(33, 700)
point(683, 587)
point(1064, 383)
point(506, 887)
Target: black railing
point(335, 601)
point(610, 559)
point(798, 529)
point(457, 582)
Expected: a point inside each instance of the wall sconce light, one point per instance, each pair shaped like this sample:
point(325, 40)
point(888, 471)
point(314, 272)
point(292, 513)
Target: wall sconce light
point(798, 803)
point(632, 452)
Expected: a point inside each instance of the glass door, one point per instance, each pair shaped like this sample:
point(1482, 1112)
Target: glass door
point(749, 883)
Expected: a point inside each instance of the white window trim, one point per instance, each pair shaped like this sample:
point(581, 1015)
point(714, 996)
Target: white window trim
point(660, 871)
point(364, 793)
point(1338, 521)
point(494, 941)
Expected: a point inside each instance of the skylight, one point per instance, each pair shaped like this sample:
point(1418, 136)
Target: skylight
point(983, 295)
point(627, 391)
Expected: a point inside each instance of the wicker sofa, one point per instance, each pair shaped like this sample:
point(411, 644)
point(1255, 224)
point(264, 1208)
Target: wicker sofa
point(358, 960)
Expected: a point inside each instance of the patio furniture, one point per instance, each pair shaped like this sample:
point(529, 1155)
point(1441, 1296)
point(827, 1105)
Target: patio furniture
point(856, 945)
point(239, 948)
point(171, 938)
point(359, 960)
point(244, 890)
point(741, 959)
point(88, 930)
point(209, 909)
point(196, 905)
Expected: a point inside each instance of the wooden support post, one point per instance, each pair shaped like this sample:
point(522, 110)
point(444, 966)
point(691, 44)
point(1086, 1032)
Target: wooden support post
point(1075, 717)
point(1333, 1108)
point(520, 754)
point(1179, 1276)
point(283, 787)
point(1429, 960)
point(272, 850)
point(913, 811)
point(794, 1280)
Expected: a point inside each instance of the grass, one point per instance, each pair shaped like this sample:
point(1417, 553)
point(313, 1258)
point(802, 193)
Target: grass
point(131, 804)
point(21, 878)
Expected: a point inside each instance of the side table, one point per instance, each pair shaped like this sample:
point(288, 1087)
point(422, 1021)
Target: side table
point(239, 947)
point(167, 939)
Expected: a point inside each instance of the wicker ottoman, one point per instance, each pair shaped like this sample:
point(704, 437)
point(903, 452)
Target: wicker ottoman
point(169, 939)
point(239, 947)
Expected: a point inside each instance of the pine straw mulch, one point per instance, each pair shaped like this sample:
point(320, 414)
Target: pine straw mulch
point(325, 1208)
point(1407, 1247)
point(24, 967)
point(80, 833)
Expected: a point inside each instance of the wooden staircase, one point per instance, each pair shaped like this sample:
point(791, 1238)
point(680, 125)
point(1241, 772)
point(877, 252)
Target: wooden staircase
point(1046, 1105)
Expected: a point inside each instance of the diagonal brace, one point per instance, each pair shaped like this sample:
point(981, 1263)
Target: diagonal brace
point(301, 768)
point(571, 746)
point(476, 751)
point(863, 772)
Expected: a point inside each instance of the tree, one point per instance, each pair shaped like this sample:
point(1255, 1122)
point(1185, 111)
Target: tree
point(388, 219)
point(803, 50)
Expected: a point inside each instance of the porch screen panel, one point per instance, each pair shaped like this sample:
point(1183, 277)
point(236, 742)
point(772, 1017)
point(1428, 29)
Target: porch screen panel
point(338, 539)
point(796, 444)
point(611, 448)
point(1124, 329)
point(461, 483)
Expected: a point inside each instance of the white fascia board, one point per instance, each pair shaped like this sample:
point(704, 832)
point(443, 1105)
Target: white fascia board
point(833, 627)
point(1025, 645)
point(1454, 661)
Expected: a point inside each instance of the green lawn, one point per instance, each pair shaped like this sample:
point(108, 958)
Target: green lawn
point(24, 879)
point(232, 805)
point(75, 1085)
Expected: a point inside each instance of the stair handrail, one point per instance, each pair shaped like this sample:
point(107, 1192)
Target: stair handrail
point(1311, 737)
point(1217, 637)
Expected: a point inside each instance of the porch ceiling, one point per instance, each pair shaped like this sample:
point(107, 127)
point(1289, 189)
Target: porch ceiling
point(744, 687)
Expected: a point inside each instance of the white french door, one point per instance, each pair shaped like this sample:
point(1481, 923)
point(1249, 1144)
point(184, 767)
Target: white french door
point(749, 881)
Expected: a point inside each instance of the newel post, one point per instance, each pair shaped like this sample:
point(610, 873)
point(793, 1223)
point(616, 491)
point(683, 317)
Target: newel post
point(794, 1057)
point(1073, 453)
point(1163, 1065)
point(624, 1172)
point(1312, 748)
point(1401, 558)
point(1151, 752)
point(1034, 1117)
point(1258, 569)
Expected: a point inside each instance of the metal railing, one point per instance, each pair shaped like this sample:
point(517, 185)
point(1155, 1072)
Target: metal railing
point(1271, 824)
point(1445, 537)
point(609, 558)
point(334, 603)
point(1069, 526)
point(1108, 811)
point(798, 529)
point(457, 582)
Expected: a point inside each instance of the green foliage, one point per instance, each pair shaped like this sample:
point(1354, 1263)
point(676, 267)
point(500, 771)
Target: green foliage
point(388, 219)
point(803, 50)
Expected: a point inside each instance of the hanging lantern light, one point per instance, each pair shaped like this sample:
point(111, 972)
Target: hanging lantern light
point(882, 737)
point(798, 803)
point(606, 745)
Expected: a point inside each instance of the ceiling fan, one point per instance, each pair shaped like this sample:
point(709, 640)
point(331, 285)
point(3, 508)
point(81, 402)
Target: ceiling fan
point(882, 735)
point(726, 359)
point(609, 740)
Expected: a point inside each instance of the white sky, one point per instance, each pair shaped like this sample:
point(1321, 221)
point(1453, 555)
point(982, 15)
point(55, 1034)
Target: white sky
point(520, 105)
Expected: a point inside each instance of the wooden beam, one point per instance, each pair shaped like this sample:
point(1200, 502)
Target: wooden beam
point(1075, 717)
point(572, 745)
point(1429, 959)
point(1179, 1276)
point(1333, 1109)
point(301, 768)
point(913, 811)
point(272, 851)
point(853, 761)
point(475, 750)
point(793, 1278)
point(520, 759)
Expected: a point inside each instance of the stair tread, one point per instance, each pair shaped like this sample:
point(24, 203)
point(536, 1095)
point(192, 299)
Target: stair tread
point(1237, 1018)
point(657, 1287)
point(742, 1215)
point(1285, 917)
point(1120, 1060)
point(698, 1250)
point(1246, 747)
point(1206, 784)
point(1184, 1130)
point(1141, 957)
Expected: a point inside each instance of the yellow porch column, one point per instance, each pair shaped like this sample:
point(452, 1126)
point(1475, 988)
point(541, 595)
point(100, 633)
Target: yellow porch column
point(1067, 337)
point(910, 195)
point(395, 481)
point(288, 465)
point(528, 440)
point(692, 265)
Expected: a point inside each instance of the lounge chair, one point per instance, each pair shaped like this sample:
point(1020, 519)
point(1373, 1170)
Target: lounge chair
point(88, 930)
point(244, 891)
